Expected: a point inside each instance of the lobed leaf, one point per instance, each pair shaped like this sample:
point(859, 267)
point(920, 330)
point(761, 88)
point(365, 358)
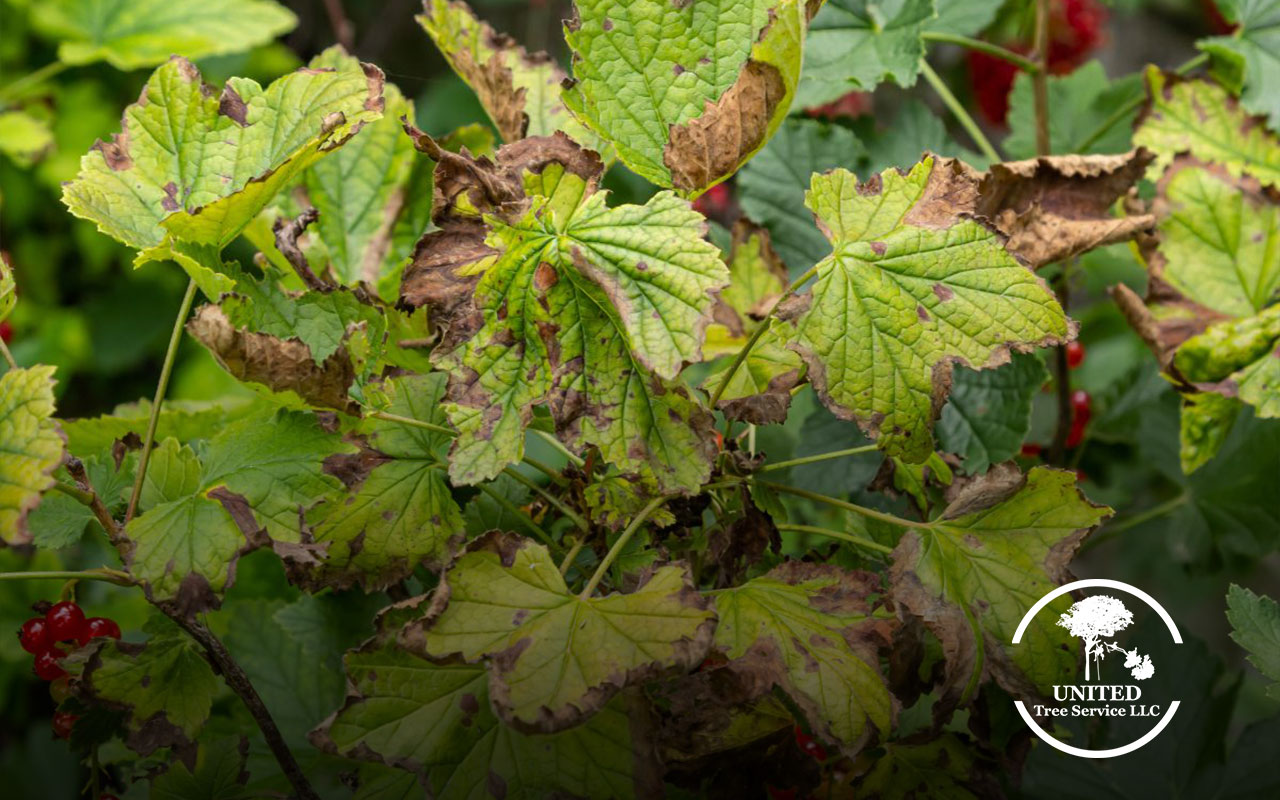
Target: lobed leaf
point(858, 44)
point(31, 447)
point(988, 414)
point(1246, 60)
point(1255, 626)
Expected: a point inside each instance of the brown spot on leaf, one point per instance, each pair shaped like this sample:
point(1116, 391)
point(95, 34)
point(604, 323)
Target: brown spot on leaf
point(232, 106)
point(943, 292)
point(878, 248)
point(170, 200)
point(115, 152)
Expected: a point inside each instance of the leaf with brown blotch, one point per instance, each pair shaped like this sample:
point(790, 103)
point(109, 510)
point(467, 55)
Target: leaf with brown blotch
point(555, 658)
point(1057, 207)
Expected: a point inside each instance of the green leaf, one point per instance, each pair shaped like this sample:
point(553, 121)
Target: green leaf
point(219, 774)
point(58, 522)
point(757, 277)
point(520, 91)
point(1247, 59)
point(586, 308)
point(808, 628)
point(31, 447)
point(989, 412)
point(1200, 118)
point(857, 44)
point(760, 389)
point(921, 287)
point(8, 291)
point(182, 420)
point(129, 34)
point(823, 432)
point(402, 513)
point(362, 191)
point(771, 187)
point(556, 658)
point(24, 138)
point(1081, 101)
point(913, 130)
point(191, 169)
point(165, 685)
point(1206, 420)
point(436, 721)
point(1255, 626)
point(1237, 358)
point(942, 767)
point(971, 575)
point(612, 501)
point(686, 92)
point(963, 17)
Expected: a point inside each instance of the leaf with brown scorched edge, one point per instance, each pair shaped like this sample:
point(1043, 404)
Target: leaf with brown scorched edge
point(972, 573)
point(810, 629)
point(912, 287)
point(760, 390)
point(1202, 119)
point(712, 711)
point(191, 169)
point(1056, 207)
point(757, 278)
point(587, 309)
point(400, 514)
point(520, 91)
point(686, 92)
point(31, 447)
point(556, 658)
point(255, 478)
point(165, 685)
point(614, 500)
point(435, 720)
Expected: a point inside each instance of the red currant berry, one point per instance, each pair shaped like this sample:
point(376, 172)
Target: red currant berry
point(34, 635)
point(992, 80)
point(60, 690)
point(6, 331)
point(715, 202)
point(66, 622)
point(1075, 354)
point(98, 626)
point(1081, 406)
point(1076, 436)
point(46, 665)
point(1032, 450)
point(63, 723)
point(810, 745)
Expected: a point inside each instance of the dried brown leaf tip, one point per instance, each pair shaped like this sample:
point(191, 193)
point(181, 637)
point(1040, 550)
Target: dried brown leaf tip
point(282, 365)
point(1056, 207)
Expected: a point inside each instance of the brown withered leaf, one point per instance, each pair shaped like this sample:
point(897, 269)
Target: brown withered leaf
point(735, 547)
point(282, 365)
point(715, 710)
point(1056, 207)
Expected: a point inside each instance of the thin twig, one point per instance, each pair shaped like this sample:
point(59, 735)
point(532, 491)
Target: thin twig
point(989, 48)
point(870, 513)
point(616, 550)
point(343, 30)
point(82, 497)
point(101, 574)
point(842, 536)
point(549, 497)
point(958, 111)
point(795, 462)
point(8, 357)
point(162, 386)
point(572, 457)
point(75, 468)
point(571, 555)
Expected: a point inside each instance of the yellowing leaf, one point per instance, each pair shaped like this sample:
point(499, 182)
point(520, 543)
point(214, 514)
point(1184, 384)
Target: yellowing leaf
point(556, 658)
point(31, 447)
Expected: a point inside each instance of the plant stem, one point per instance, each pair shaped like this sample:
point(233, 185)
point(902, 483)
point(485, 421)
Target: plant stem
point(1062, 375)
point(75, 468)
point(1040, 79)
point(1128, 108)
point(546, 469)
point(415, 423)
point(79, 495)
point(755, 337)
point(240, 684)
point(162, 387)
point(101, 574)
point(514, 509)
point(962, 116)
point(16, 89)
point(1021, 61)
point(1129, 522)
point(870, 513)
point(549, 497)
point(795, 462)
point(571, 555)
point(8, 357)
point(845, 537)
point(616, 550)
point(559, 446)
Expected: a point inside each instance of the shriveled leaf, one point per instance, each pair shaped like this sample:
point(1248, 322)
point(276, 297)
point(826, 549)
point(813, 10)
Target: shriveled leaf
point(31, 447)
point(556, 658)
point(436, 721)
point(857, 44)
point(810, 629)
point(614, 500)
point(400, 514)
point(971, 575)
point(129, 34)
point(916, 287)
point(191, 169)
point(686, 92)
point(1255, 626)
point(759, 391)
point(989, 412)
point(1081, 102)
point(24, 138)
point(1247, 59)
point(1202, 119)
point(165, 685)
point(520, 91)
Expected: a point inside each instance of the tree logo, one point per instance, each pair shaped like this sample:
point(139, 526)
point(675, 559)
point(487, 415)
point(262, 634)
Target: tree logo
point(1096, 620)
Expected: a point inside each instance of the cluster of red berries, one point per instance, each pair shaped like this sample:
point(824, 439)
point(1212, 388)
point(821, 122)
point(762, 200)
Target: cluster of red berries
point(63, 623)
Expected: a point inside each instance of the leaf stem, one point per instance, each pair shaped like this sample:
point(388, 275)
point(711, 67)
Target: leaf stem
point(559, 446)
point(845, 537)
point(616, 550)
point(969, 43)
point(15, 90)
point(870, 513)
point(755, 337)
point(8, 357)
point(1128, 108)
point(962, 116)
point(1126, 523)
point(546, 469)
point(1040, 79)
point(795, 462)
point(571, 555)
point(514, 509)
point(101, 574)
point(416, 423)
point(549, 497)
point(162, 386)
point(79, 495)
